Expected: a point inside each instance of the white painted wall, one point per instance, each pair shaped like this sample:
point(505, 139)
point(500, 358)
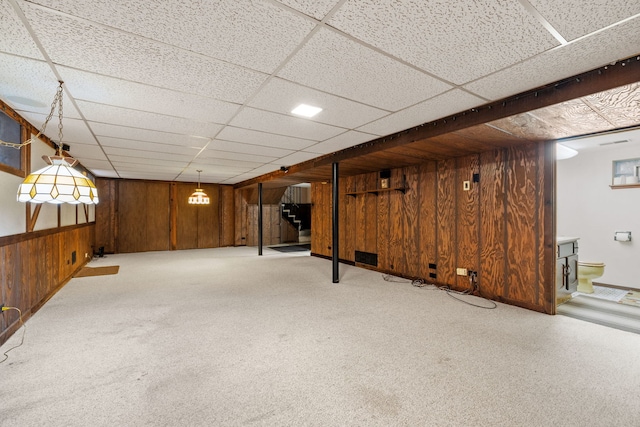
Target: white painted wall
point(13, 213)
point(589, 209)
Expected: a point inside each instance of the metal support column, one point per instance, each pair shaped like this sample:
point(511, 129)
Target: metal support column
point(334, 216)
point(259, 219)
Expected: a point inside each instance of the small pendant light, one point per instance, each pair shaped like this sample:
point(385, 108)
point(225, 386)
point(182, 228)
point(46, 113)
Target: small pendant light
point(199, 197)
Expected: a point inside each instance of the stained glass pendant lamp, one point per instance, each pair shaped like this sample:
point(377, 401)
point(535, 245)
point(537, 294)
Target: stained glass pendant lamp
point(199, 197)
point(59, 182)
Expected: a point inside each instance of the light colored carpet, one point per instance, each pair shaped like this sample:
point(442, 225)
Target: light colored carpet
point(223, 337)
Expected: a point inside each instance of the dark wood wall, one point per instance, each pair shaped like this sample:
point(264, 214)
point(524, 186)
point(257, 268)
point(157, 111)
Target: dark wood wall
point(246, 217)
point(33, 266)
point(140, 216)
point(502, 226)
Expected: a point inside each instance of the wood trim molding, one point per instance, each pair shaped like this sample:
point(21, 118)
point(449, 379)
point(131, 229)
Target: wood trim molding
point(17, 238)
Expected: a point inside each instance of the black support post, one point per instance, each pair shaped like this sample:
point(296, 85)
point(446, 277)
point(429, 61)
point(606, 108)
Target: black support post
point(259, 219)
point(334, 217)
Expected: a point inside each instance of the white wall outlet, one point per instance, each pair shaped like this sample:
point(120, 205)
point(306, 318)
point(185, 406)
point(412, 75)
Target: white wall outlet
point(461, 271)
point(466, 185)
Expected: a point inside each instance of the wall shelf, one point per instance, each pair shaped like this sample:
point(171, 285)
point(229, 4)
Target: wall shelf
point(376, 191)
point(618, 187)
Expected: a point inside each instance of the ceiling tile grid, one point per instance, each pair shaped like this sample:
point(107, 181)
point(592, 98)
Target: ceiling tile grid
point(583, 55)
point(32, 83)
point(342, 141)
point(15, 37)
point(577, 18)
point(163, 87)
point(281, 96)
point(251, 118)
point(142, 119)
point(252, 33)
point(248, 136)
point(335, 64)
point(256, 150)
point(136, 96)
point(102, 130)
point(454, 40)
point(110, 52)
point(317, 9)
point(443, 105)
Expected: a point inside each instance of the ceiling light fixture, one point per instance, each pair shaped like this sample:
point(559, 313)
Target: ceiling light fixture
point(199, 197)
point(59, 182)
point(306, 110)
point(563, 152)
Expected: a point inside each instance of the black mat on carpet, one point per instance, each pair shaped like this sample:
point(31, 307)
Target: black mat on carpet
point(292, 248)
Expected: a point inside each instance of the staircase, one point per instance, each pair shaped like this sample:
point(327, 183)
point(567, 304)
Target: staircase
point(296, 213)
point(290, 216)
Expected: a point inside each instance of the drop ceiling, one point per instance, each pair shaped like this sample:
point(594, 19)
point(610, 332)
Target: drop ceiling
point(158, 90)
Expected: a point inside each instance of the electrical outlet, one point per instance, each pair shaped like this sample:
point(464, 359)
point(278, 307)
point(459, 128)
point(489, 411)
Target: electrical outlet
point(461, 271)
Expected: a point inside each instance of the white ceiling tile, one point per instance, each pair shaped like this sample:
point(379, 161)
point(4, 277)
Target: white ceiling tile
point(254, 34)
point(15, 37)
point(103, 129)
point(135, 152)
point(142, 119)
point(232, 163)
point(250, 118)
point(338, 65)
point(100, 168)
point(33, 84)
point(314, 8)
point(457, 41)
point(249, 136)
point(153, 175)
point(346, 140)
point(217, 154)
point(452, 102)
point(258, 150)
point(295, 158)
point(576, 18)
point(73, 130)
point(187, 152)
point(100, 89)
point(120, 161)
point(84, 152)
point(281, 96)
point(111, 52)
point(566, 61)
point(219, 170)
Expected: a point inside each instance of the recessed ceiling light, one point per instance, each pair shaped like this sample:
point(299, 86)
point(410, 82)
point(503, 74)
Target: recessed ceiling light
point(306, 110)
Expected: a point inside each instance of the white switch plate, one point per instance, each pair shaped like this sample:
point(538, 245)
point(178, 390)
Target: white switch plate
point(466, 186)
point(461, 271)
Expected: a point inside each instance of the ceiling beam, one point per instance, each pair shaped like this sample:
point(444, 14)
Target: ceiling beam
point(601, 79)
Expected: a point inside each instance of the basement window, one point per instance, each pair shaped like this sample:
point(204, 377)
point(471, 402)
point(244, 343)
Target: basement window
point(12, 160)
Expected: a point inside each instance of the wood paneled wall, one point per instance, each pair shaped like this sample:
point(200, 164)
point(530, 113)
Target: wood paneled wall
point(502, 227)
point(33, 266)
point(246, 217)
point(140, 216)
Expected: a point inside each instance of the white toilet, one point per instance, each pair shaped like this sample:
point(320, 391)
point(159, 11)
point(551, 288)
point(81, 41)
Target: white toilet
point(587, 271)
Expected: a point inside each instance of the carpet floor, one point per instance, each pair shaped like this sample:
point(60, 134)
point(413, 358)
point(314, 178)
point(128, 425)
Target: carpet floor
point(222, 337)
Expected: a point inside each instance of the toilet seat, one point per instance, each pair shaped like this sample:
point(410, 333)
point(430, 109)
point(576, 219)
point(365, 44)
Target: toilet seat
point(590, 264)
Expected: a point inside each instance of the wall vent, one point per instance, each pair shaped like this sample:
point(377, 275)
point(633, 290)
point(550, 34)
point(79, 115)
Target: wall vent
point(367, 258)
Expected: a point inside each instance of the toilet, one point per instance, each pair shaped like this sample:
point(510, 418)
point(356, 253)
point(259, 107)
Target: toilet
point(587, 271)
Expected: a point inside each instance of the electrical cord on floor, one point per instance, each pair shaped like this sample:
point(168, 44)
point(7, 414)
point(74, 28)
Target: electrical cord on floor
point(420, 283)
point(24, 329)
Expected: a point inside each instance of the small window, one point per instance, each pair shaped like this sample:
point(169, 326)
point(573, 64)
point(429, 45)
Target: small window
point(11, 159)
